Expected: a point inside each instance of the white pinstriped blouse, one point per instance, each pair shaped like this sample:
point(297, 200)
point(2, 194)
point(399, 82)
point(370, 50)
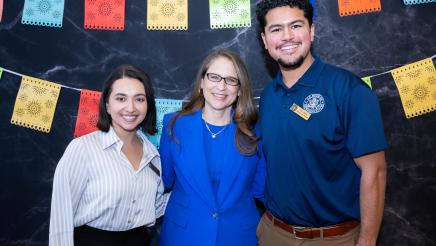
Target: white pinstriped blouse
point(95, 185)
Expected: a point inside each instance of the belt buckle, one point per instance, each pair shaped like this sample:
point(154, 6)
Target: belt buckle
point(296, 229)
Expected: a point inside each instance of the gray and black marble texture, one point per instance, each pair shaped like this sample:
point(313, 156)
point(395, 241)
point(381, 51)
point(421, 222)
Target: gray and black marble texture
point(366, 44)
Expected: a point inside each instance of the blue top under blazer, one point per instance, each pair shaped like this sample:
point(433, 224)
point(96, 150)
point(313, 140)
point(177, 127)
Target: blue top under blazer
point(194, 215)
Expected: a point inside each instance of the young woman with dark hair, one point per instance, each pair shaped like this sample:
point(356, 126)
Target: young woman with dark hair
point(107, 188)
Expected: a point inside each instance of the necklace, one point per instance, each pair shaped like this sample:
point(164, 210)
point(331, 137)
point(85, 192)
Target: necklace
point(212, 133)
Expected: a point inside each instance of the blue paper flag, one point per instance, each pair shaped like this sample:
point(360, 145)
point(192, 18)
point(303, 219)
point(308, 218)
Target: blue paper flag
point(314, 10)
point(43, 12)
point(163, 106)
point(408, 2)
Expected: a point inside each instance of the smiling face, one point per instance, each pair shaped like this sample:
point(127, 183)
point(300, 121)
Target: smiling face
point(127, 105)
point(219, 96)
point(288, 37)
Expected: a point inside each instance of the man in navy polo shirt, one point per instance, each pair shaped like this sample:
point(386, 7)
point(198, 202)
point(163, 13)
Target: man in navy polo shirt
point(323, 140)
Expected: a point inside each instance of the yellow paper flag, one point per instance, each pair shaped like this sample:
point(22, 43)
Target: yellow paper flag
point(35, 104)
point(416, 83)
point(167, 14)
point(367, 80)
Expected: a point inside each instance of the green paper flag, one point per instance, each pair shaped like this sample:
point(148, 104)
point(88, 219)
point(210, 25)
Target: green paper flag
point(1, 72)
point(229, 13)
point(367, 80)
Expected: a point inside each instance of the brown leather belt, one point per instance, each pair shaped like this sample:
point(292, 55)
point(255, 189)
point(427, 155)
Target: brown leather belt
point(312, 232)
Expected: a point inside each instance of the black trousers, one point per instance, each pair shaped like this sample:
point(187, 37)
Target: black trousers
point(89, 236)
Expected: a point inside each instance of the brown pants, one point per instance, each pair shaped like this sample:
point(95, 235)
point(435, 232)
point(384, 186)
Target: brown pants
point(270, 235)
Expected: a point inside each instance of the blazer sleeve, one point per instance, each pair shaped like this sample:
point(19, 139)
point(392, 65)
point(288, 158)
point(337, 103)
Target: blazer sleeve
point(168, 174)
point(258, 186)
point(69, 183)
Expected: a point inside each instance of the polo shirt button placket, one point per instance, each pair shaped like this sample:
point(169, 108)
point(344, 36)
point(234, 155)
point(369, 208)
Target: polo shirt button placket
point(285, 100)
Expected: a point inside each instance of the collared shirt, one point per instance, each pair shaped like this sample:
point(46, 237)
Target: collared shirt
point(96, 185)
point(312, 179)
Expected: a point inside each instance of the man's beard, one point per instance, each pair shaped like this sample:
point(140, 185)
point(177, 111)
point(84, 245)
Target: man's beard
point(291, 65)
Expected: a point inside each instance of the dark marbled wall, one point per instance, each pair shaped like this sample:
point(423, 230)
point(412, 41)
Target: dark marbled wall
point(365, 44)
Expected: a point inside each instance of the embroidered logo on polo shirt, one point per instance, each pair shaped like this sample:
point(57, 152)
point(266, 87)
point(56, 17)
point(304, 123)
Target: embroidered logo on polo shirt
point(314, 103)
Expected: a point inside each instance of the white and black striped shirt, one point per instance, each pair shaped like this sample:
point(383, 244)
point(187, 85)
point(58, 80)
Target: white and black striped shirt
point(95, 184)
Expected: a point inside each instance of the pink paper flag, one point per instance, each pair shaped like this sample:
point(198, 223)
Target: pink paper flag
point(1, 9)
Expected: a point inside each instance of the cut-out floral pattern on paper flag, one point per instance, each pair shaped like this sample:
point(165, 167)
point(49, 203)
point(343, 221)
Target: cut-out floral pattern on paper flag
point(163, 106)
point(43, 12)
point(229, 13)
point(35, 104)
point(167, 14)
point(418, 1)
point(104, 14)
point(416, 84)
point(87, 114)
point(355, 7)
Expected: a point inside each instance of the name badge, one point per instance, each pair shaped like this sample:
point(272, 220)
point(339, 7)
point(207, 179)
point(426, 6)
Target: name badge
point(300, 111)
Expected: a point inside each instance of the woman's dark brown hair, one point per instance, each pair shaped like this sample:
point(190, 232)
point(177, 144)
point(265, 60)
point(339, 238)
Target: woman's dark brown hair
point(129, 71)
point(245, 114)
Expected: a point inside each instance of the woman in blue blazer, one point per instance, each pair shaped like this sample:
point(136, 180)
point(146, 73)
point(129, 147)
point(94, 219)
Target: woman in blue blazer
point(212, 161)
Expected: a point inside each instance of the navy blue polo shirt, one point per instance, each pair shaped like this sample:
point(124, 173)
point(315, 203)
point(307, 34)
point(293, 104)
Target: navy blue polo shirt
point(312, 179)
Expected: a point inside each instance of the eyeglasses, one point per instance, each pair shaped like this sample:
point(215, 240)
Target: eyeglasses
point(213, 77)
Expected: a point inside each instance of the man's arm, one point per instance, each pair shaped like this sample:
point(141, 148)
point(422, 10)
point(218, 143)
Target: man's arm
point(372, 196)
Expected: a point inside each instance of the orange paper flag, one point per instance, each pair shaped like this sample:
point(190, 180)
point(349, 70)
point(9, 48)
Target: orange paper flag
point(354, 7)
point(104, 14)
point(87, 114)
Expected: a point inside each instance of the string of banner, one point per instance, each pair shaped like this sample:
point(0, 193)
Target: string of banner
point(36, 99)
point(167, 14)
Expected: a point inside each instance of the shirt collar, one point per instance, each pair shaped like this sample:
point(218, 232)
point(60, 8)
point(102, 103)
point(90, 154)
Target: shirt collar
point(150, 150)
point(309, 78)
point(110, 138)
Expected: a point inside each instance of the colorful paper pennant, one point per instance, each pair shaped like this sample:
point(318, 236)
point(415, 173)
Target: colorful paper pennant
point(43, 12)
point(167, 14)
point(408, 2)
point(35, 104)
point(163, 106)
point(416, 83)
point(1, 9)
point(104, 14)
point(87, 114)
point(314, 10)
point(367, 80)
point(354, 7)
point(229, 13)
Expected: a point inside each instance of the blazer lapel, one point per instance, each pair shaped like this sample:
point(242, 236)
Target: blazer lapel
point(195, 169)
point(230, 168)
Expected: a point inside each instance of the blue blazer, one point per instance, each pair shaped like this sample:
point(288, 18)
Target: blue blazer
point(194, 215)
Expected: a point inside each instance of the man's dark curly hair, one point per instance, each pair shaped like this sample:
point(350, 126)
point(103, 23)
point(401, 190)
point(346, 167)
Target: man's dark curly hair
point(264, 6)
